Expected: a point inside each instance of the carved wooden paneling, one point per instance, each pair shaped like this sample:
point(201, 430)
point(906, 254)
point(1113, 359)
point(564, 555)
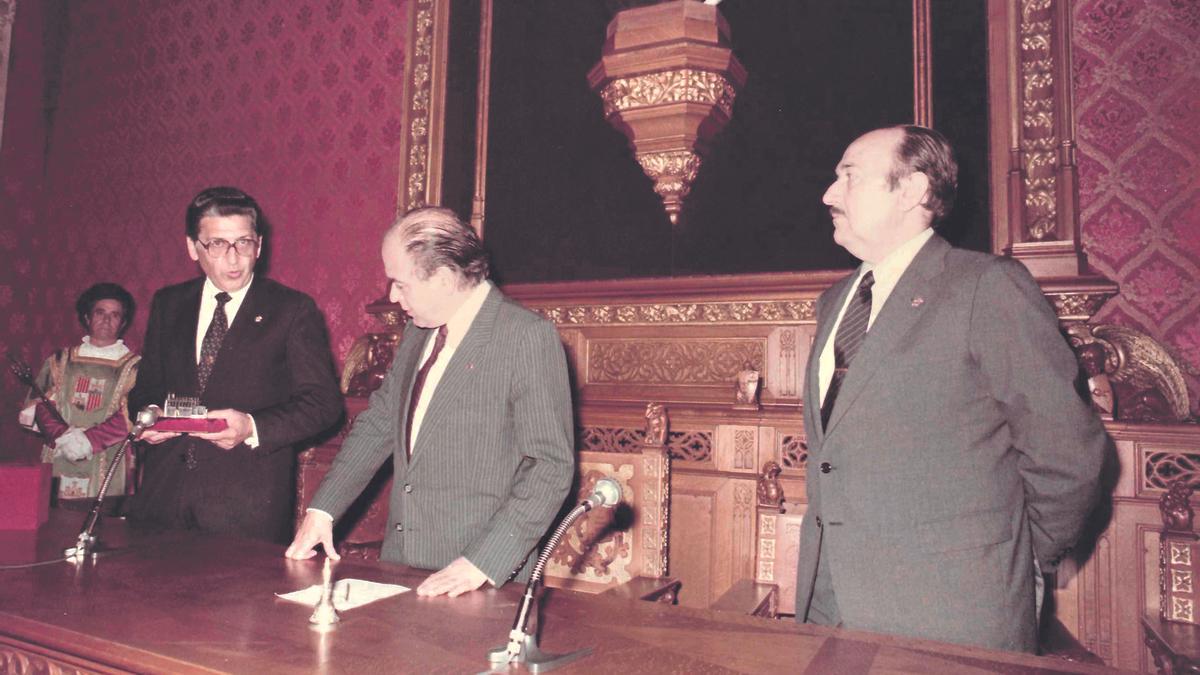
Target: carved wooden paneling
point(1101, 603)
point(674, 362)
point(683, 340)
point(684, 446)
point(712, 530)
point(18, 658)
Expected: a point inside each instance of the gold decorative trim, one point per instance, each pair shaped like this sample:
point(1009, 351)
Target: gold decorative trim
point(752, 312)
point(655, 536)
point(1039, 137)
point(424, 92)
point(1077, 306)
point(672, 172)
point(704, 362)
point(673, 86)
point(766, 547)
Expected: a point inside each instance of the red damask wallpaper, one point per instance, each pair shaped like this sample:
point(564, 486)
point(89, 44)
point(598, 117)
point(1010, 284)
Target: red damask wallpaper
point(295, 101)
point(1137, 106)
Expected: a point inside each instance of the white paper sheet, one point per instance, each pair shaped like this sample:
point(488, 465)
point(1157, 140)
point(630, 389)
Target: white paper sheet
point(347, 593)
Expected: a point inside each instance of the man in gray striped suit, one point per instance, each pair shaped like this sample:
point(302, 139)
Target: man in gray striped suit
point(475, 415)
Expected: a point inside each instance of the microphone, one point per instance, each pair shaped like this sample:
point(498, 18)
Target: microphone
point(522, 644)
point(146, 418)
point(606, 493)
point(86, 543)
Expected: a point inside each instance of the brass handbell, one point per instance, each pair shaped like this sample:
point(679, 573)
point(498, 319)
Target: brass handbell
point(324, 616)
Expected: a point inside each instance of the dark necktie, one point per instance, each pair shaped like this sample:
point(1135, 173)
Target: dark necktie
point(419, 384)
point(850, 335)
point(213, 338)
point(212, 341)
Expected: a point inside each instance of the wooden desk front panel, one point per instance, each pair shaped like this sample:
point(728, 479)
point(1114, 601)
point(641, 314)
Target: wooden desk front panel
point(192, 604)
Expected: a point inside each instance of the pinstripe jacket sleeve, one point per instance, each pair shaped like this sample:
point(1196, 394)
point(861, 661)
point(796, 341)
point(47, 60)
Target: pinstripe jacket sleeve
point(494, 459)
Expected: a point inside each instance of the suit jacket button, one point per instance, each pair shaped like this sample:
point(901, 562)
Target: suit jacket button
point(399, 527)
point(826, 467)
point(818, 521)
point(407, 488)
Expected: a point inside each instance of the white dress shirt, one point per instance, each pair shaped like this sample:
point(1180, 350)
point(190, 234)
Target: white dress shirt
point(208, 307)
point(456, 330)
point(887, 274)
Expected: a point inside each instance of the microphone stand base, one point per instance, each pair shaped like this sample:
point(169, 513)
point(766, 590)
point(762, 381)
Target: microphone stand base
point(84, 546)
point(535, 660)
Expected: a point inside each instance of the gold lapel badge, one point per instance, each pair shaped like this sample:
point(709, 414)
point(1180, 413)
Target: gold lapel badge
point(258, 319)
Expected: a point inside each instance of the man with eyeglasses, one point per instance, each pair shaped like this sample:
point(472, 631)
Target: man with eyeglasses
point(256, 355)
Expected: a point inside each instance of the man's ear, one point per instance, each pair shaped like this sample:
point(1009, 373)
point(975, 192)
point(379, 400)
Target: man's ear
point(916, 189)
point(191, 249)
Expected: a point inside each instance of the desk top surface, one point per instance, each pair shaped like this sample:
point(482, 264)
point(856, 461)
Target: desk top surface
point(170, 602)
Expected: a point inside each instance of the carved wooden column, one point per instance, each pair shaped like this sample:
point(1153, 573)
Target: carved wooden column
point(424, 101)
point(1034, 179)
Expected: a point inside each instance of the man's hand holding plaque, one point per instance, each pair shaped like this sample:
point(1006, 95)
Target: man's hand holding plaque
point(236, 428)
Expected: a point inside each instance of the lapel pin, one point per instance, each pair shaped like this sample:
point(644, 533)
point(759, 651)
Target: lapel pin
point(918, 301)
point(258, 319)
point(470, 366)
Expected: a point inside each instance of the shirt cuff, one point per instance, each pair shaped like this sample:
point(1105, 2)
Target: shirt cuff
point(324, 513)
point(252, 441)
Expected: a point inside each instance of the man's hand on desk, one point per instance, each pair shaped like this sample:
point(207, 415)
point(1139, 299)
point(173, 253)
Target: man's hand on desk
point(239, 429)
point(453, 580)
point(317, 528)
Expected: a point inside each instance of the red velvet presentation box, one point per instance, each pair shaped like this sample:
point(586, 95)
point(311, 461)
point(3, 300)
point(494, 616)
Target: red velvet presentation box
point(26, 494)
point(190, 425)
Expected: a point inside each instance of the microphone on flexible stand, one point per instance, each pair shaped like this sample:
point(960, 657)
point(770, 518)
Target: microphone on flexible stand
point(522, 642)
point(86, 542)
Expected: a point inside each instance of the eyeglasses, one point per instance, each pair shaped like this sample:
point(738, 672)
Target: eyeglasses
point(216, 248)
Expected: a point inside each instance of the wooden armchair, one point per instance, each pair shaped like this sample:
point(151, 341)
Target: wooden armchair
point(772, 591)
point(623, 550)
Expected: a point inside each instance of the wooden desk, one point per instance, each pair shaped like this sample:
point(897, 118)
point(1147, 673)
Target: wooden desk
point(170, 603)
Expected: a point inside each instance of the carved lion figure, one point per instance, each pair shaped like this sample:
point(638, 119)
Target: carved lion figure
point(1176, 508)
point(656, 424)
point(770, 492)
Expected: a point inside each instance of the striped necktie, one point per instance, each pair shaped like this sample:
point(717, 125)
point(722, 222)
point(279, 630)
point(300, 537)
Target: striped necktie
point(850, 335)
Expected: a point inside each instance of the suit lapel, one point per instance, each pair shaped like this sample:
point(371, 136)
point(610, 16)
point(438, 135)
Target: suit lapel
point(412, 343)
point(460, 372)
point(894, 321)
point(241, 333)
point(812, 379)
point(183, 333)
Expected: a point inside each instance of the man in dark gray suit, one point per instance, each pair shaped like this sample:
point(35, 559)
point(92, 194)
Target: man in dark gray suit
point(949, 453)
point(475, 415)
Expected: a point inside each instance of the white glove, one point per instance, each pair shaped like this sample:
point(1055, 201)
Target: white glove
point(73, 445)
point(26, 418)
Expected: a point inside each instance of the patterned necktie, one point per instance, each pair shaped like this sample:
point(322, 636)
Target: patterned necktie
point(212, 341)
point(850, 335)
point(208, 356)
point(419, 384)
